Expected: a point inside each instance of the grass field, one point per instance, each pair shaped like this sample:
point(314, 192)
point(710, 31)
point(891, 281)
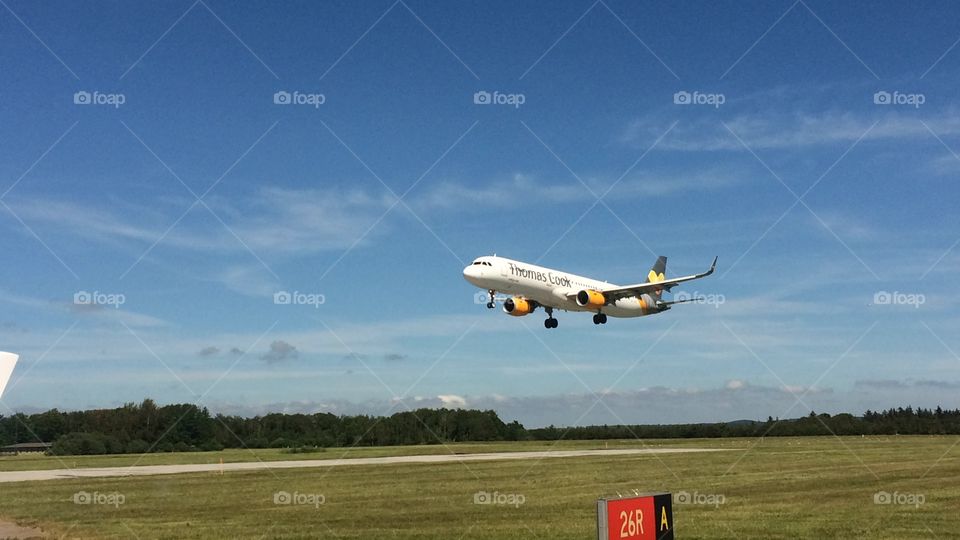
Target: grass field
point(774, 488)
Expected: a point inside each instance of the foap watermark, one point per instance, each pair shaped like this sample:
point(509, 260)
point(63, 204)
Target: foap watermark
point(897, 298)
point(501, 499)
point(97, 298)
point(483, 97)
point(482, 297)
point(114, 499)
point(704, 499)
point(715, 300)
point(297, 298)
point(282, 97)
point(902, 499)
point(896, 97)
point(699, 98)
point(299, 499)
point(82, 97)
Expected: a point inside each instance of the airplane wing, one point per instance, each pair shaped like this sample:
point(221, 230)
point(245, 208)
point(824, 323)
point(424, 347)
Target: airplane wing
point(7, 362)
point(612, 295)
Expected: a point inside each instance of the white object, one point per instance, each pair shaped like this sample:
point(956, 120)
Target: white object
point(7, 362)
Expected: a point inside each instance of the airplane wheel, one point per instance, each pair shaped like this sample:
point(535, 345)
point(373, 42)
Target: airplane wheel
point(490, 305)
point(596, 319)
point(550, 323)
point(603, 318)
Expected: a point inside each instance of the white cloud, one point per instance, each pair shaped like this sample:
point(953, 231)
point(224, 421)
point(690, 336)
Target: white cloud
point(790, 131)
point(846, 226)
point(947, 164)
point(109, 313)
point(275, 220)
point(308, 220)
point(282, 222)
point(452, 400)
point(251, 280)
point(524, 189)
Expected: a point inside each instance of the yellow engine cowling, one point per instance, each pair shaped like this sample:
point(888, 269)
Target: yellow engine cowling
point(518, 306)
point(591, 298)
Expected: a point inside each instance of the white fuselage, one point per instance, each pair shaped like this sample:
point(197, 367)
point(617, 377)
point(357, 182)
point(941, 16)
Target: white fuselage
point(549, 287)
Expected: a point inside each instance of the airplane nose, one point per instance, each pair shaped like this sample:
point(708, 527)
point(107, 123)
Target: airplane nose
point(471, 272)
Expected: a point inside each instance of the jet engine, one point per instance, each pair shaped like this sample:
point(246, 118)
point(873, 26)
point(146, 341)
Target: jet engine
point(590, 298)
point(518, 306)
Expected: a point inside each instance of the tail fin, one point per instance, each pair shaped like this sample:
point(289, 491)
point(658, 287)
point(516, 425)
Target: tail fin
point(7, 362)
point(657, 273)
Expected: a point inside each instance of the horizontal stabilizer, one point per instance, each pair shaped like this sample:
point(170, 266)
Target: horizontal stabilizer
point(666, 305)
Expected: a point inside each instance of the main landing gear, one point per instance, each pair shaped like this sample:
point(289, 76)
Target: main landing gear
point(600, 318)
point(491, 304)
point(550, 322)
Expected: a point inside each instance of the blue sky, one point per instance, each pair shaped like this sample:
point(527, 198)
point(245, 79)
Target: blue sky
point(190, 195)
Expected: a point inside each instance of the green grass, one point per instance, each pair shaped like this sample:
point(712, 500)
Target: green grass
point(774, 488)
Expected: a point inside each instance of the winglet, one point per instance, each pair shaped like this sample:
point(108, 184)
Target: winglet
point(7, 363)
point(713, 266)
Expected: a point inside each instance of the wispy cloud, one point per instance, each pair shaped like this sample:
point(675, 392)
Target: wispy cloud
point(947, 164)
point(251, 280)
point(110, 314)
point(847, 226)
point(525, 189)
point(274, 220)
point(791, 130)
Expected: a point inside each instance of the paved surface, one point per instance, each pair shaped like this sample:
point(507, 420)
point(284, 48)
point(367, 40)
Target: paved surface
point(12, 530)
point(149, 470)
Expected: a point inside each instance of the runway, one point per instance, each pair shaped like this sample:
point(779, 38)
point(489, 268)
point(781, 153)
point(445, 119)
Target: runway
point(152, 470)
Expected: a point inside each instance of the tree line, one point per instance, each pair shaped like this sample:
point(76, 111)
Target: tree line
point(147, 427)
point(899, 421)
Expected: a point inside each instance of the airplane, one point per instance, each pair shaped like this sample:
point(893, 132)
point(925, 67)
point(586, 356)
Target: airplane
point(531, 286)
point(7, 362)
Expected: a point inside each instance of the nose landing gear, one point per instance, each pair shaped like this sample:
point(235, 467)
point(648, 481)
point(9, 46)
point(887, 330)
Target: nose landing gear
point(491, 304)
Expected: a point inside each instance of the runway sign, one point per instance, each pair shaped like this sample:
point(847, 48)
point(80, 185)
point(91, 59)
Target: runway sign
point(635, 517)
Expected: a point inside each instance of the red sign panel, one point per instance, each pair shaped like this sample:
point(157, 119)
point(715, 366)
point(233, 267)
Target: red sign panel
point(641, 517)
